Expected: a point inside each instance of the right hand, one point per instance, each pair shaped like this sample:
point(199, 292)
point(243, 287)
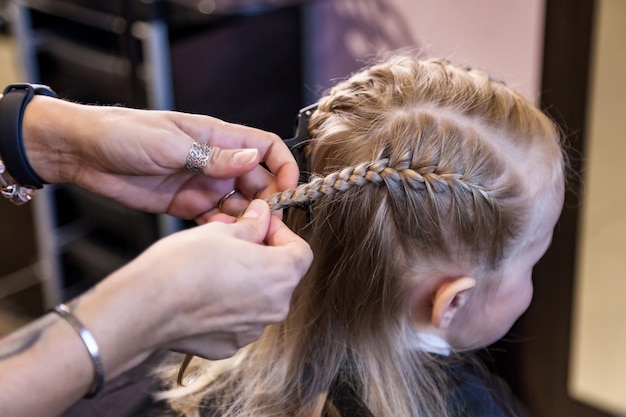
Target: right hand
point(137, 157)
point(207, 291)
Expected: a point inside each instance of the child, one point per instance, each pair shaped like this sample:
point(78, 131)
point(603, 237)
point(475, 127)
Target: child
point(435, 191)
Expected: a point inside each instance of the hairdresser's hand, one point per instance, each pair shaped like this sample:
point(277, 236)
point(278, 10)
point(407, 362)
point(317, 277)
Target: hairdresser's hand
point(208, 290)
point(137, 157)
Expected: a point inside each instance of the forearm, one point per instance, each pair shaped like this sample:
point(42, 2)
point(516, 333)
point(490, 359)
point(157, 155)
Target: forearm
point(44, 368)
point(173, 296)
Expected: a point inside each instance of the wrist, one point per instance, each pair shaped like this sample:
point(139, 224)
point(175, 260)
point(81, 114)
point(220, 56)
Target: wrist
point(119, 317)
point(13, 103)
point(49, 134)
point(18, 179)
point(70, 357)
point(91, 345)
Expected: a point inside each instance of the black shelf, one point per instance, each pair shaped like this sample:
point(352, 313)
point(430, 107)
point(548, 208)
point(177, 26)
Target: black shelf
point(243, 67)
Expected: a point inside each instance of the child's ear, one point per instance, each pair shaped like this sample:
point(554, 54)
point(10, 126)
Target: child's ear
point(448, 299)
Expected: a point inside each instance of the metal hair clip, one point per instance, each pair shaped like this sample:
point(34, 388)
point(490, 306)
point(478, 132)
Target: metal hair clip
point(296, 143)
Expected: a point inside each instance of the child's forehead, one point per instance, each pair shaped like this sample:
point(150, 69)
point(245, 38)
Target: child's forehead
point(536, 160)
point(545, 209)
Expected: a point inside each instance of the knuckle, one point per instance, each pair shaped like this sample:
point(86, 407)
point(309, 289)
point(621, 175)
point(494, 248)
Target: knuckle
point(216, 155)
point(273, 137)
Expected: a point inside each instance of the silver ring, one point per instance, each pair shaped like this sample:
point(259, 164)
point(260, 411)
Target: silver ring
point(224, 198)
point(199, 157)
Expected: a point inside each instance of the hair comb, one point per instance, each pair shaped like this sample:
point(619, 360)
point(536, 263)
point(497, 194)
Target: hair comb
point(297, 142)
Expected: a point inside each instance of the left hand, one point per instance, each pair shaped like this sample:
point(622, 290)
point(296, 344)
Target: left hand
point(207, 290)
point(137, 157)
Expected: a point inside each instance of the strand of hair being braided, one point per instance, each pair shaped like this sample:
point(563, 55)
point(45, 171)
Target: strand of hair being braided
point(342, 180)
point(376, 172)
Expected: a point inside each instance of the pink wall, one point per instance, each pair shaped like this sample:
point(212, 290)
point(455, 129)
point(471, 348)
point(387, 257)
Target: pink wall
point(504, 38)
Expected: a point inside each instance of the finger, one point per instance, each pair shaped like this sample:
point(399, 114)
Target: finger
point(235, 205)
point(273, 151)
point(217, 344)
point(254, 223)
point(279, 235)
point(231, 203)
point(221, 134)
point(220, 217)
point(230, 163)
point(230, 208)
point(282, 164)
point(258, 183)
point(252, 180)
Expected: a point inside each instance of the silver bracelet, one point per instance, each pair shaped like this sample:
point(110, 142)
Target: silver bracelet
point(91, 345)
point(17, 194)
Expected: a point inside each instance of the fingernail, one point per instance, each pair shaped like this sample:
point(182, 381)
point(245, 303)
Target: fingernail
point(254, 210)
point(244, 157)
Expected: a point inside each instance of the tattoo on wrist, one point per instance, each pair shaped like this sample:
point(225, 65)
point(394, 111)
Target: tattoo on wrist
point(26, 337)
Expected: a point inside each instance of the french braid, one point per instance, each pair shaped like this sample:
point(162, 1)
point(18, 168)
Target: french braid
point(377, 172)
point(425, 129)
point(416, 167)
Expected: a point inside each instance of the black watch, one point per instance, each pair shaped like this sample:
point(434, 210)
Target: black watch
point(12, 105)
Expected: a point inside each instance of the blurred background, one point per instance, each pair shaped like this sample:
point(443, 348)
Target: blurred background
point(257, 62)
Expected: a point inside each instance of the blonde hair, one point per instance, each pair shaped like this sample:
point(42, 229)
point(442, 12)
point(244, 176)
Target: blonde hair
point(414, 163)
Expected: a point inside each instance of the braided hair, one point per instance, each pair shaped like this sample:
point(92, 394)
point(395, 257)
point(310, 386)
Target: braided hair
point(414, 164)
point(442, 140)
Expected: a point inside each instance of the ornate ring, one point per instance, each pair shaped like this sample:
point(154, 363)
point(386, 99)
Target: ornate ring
point(199, 157)
point(224, 198)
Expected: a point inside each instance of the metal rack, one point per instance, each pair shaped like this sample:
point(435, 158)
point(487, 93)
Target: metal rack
point(146, 54)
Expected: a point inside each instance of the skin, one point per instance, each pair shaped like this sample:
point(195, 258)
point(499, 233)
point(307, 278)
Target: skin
point(207, 290)
point(136, 157)
point(513, 296)
point(497, 312)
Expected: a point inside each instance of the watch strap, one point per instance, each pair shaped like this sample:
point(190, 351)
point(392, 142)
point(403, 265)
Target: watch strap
point(12, 106)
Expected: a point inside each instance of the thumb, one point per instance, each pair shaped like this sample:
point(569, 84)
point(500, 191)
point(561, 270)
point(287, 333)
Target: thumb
point(254, 223)
point(231, 163)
